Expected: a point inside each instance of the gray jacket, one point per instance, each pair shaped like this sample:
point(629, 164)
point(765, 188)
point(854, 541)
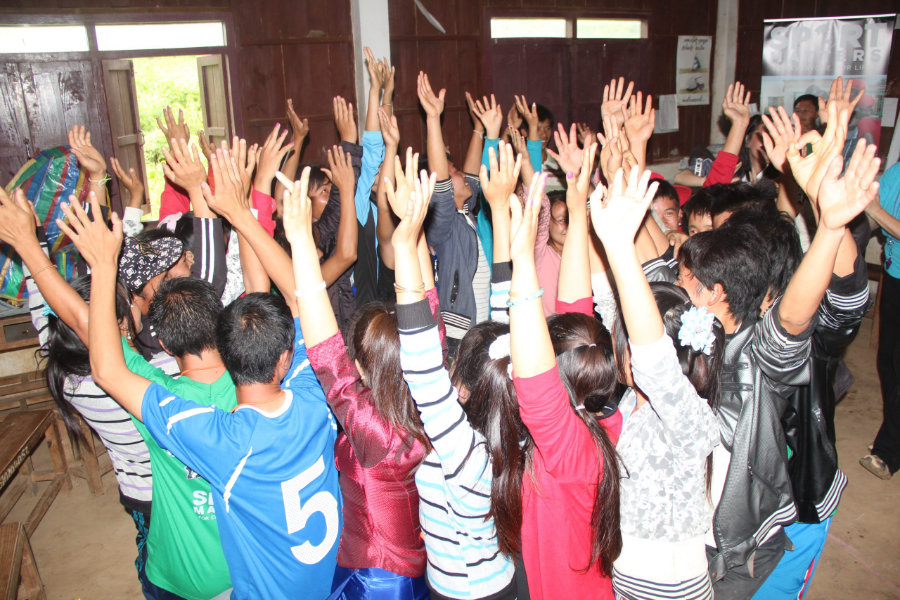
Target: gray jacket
point(761, 365)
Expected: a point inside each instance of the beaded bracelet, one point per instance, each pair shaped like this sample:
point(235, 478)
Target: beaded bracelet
point(513, 301)
point(315, 288)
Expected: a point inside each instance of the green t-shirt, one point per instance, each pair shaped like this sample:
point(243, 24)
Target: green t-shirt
point(184, 554)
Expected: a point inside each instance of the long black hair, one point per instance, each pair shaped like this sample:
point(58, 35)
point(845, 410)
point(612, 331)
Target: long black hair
point(65, 354)
point(587, 368)
point(492, 408)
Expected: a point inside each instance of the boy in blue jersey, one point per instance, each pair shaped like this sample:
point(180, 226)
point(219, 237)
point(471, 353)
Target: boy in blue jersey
point(270, 462)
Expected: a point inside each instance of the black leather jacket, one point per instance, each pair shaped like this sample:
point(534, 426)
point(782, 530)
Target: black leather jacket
point(762, 363)
point(808, 418)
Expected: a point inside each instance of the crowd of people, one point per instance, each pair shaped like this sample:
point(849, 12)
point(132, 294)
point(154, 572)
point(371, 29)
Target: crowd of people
point(543, 373)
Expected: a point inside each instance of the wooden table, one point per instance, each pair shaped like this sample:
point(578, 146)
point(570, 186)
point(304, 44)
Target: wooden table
point(17, 566)
point(20, 435)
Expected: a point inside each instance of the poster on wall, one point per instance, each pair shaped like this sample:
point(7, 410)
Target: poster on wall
point(803, 56)
point(692, 69)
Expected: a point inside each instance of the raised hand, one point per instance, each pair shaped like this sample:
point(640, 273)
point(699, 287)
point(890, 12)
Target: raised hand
point(389, 73)
point(174, 129)
point(270, 156)
point(408, 231)
point(229, 198)
point(341, 166)
point(586, 135)
point(491, 115)
point(808, 171)
point(398, 192)
point(500, 183)
point(517, 141)
point(297, 216)
point(782, 131)
point(96, 243)
point(569, 155)
point(524, 222)
point(514, 118)
point(473, 114)
point(736, 104)
point(580, 183)
point(611, 157)
point(840, 97)
point(183, 166)
point(299, 127)
point(432, 104)
point(130, 180)
point(205, 146)
point(618, 219)
point(343, 119)
point(376, 73)
point(615, 98)
point(840, 200)
point(17, 218)
point(640, 120)
point(530, 115)
point(88, 157)
point(244, 160)
point(390, 131)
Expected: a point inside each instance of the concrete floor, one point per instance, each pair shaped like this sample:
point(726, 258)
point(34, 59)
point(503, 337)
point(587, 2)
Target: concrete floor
point(85, 546)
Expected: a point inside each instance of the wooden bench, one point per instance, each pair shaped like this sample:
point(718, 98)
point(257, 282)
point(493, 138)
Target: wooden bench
point(19, 577)
point(20, 435)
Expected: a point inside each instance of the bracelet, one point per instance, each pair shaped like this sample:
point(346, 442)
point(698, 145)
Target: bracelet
point(514, 302)
point(481, 133)
point(419, 288)
point(42, 269)
point(103, 181)
point(387, 104)
point(315, 288)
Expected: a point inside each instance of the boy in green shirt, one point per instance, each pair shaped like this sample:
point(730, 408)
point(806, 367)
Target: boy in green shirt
point(184, 554)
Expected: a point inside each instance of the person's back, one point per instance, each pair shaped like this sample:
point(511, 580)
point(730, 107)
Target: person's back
point(261, 462)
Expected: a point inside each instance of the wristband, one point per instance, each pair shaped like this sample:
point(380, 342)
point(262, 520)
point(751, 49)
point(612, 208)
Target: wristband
point(42, 269)
point(315, 288)
point(101, 182)
point(401, 289)
point(480, 133)
point(387, 104)
point(514, 301)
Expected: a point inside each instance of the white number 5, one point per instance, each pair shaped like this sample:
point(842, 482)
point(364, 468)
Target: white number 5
point(297, 514)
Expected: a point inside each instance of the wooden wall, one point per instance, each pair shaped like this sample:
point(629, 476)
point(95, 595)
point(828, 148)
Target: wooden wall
point(750, 38)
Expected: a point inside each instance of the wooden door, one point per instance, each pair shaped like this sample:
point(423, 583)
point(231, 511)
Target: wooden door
point(15, 139)
point(540, 69)
point(214, 96)
point(124, 120)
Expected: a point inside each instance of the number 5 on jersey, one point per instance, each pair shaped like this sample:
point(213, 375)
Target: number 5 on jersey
point(298, 513)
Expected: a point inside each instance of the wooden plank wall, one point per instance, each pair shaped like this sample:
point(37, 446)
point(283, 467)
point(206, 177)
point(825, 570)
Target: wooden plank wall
point(750, 38)
point(453, 61)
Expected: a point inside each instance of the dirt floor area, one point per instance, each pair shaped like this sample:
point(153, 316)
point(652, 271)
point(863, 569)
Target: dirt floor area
point(85, 545)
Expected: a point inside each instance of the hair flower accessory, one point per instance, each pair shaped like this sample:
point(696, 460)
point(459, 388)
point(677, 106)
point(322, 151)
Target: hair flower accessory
point(697, 330)
point(500, 348)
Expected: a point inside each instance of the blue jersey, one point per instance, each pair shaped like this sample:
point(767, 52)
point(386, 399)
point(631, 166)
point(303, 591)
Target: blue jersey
point(273, 481)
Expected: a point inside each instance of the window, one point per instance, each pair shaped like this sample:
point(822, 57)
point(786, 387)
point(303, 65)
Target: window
point(631, 29)
point(529, 28)
point(143, 36)
point(22, 39)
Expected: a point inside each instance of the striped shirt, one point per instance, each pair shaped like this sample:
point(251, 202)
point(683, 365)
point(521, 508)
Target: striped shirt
point(126, 448)
point(454, 481)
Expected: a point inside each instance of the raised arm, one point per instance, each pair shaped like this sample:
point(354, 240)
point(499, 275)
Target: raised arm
point(640, 120)
point(384, 228)
point(433, 105)
point(90, 159)
point(271, 153)
point(341, 165)
point(299, 130)
point(575, 268)
point(736, 106)
point(498, 188)
point(476, 144)
point(839, 201)
point(100, 248)
point(616, 222)
point(532, 351)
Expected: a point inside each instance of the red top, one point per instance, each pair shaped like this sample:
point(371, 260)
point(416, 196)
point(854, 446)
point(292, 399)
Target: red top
point(558, 497)
point(722, 169)
point(377, 466)
point(265, 208)
point(172, 201)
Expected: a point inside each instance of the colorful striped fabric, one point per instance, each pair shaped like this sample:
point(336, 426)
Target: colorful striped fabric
point(47, 179)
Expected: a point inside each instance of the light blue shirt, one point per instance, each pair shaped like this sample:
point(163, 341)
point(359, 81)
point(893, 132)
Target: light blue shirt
point(889, 190)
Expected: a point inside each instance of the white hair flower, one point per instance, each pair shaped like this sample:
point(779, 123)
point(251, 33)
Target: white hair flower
point(697, 330)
